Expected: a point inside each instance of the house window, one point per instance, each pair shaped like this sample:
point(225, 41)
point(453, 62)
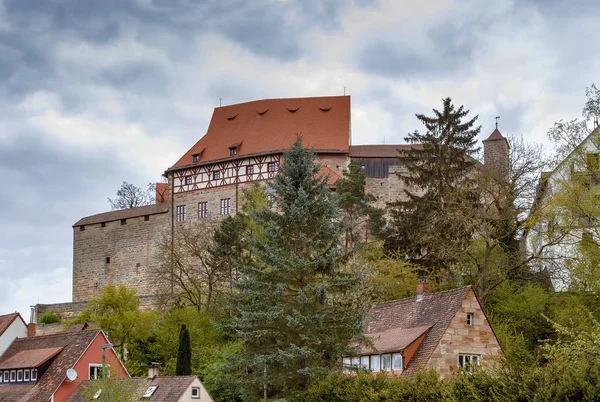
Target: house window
point(19, 375)
point(375, 363)
point(226, 206)
point(347, 364)
point(195, 392)
point(270, 200)
point(82, 228)
point(216, 175)
point(468, 361)
point(108, 260)
point(26, 375)
point(469, 319)
point(364, 362)
point(203, 210)
point(397, 361)
point(196, 158)
point(103, 224)
point(250, 169)
point(146, 217)
point(0, 376)
point(95, 371)
point(232, 151)
point(33, 374)
point(13, 375)
point(5, 376)
point(355, 363)
point(123, 221)
point(386, 362)
point(272, 167)
point(181, 213)
point(188, 180)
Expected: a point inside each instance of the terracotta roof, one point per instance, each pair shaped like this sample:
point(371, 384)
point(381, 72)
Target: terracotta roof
point(394, 339)
point(271, 125)
point(73, 345)
point(29, 358)
point(169, 389)
point(435, 310)
point(379, 151)
point(7, 319)
point(123, 214)
point(495, 136)
point(332, 175)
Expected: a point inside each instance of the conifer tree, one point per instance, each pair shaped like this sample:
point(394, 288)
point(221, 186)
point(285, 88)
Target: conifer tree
point(184, 354)
point(292, 310)
point(439, 187)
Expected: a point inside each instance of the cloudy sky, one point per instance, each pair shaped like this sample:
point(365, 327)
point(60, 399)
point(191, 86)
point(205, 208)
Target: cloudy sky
point(96, 92)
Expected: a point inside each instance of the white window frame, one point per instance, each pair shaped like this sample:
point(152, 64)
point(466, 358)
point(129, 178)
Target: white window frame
point(346, 365)
point(26, 376)
point(462, 360)
point(364, 362)
point(181, 212)
point(376, 368)
point(386, 356)
point(395, 367)
point(250, 169)
point(217, 175)
point(98, 368)
point(33, 374)
point(203, 213)
point(470, 319)
point(6, 376)
point(272, 167)
point(13, 375)
point(197, 389)
point(225, 206)
point(189, 180)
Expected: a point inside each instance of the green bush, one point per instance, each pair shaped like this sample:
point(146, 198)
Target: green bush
point(48, 318)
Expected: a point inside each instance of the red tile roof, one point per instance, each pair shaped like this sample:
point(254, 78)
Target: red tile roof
point(331, 175)
point(271, 125)
point(169, 389)
point(123, 214)
point(435, 310)
point(29, 358)
point(495, 136)
point(394, 339)
point(73, 345)
point(379, 151)
point(7, 319)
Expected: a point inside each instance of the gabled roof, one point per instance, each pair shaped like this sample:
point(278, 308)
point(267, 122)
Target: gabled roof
point(169, 388)
point(73, 344)
point(271, 125)
point(29, 358)
point(408, 317)
point(123, 214)
point(495, 136)
point(7, 319)
point(395, 339)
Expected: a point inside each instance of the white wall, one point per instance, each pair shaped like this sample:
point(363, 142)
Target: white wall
point(16, 329)
point(187, 395)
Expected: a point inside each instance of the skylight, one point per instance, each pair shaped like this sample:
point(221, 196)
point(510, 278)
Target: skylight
point(150, 391)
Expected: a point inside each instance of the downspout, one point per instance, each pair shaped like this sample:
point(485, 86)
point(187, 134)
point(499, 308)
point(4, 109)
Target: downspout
point(172, 206)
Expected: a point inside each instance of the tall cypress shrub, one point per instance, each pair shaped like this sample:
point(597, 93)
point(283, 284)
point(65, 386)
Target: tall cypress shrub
point(184, 354)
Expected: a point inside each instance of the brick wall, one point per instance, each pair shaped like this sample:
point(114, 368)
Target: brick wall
point(461, 338)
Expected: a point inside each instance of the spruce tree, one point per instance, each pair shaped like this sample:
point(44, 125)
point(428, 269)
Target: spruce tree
point(292, 304)
point(428, 227)
point(184, 354)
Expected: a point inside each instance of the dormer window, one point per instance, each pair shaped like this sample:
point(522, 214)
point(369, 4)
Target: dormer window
point(196, 158)
point(233, 151)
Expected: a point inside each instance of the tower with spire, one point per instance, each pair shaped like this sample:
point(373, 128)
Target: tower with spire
point(496, 153)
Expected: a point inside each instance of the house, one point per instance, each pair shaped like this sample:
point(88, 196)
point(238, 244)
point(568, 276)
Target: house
point(444, 331)
point(35, 368)
point(11, 326)
point(153, 388)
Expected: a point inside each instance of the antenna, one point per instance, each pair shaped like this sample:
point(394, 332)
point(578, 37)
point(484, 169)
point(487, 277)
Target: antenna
point(345, 90)
point(497, 117)
point(220, 99)
point(71, 375)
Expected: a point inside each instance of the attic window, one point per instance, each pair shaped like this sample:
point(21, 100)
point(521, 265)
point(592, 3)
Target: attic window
point(469, 319)
point(233, 151)
point(233, 116)
point(262, 111)
point(81, 228)
point(196, 158)
point(123, 221)
point(103, 224)
point(325, 108)
point(150, 391)
point(293, 109)
point(195, 392)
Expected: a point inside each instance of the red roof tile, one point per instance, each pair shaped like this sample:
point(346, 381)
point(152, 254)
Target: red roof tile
point(123, 214)
point(394, 339)
point(271, 125)
point(435, 310)
point(29, 358)
point(7, 319)
point(495, 136)
point(332, 176)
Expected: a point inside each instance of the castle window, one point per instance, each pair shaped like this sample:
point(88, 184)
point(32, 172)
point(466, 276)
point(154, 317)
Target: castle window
point(272, 167)
point(196, 158)
point(103, 224)
point(469, 319)
point(188, 180)
point(123, 221)
point(216, 175)
point(181, 213)
point(81, 228)
point(108, 260)
point(226, 206)
point(203, 210)
point(233, 151)
point(146, 217)
point(468, 361)
point(250, 169)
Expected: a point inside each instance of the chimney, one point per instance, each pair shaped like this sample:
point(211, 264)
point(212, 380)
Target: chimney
point(422, 289)
point(153, 369)
point(31, 329)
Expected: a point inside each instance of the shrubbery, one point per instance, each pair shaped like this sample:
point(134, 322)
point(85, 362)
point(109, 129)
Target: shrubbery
point(48, 318)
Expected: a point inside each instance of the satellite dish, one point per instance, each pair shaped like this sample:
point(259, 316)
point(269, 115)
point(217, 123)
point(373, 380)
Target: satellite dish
point(71, 375)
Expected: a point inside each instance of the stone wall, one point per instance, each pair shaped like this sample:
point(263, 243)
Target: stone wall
point(113, 252)
point(496, 156)
point(477, 339)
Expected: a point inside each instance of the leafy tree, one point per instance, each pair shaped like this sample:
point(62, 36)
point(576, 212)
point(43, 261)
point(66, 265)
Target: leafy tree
point(440, 188)
point(117, 311)
point(131, 196)
point(111, 389)
point(184, 354)
point(290, 307)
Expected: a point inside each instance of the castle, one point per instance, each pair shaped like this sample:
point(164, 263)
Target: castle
point(244, 144)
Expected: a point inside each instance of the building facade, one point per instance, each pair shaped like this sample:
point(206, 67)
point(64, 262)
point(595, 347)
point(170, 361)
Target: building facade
point(244, 144)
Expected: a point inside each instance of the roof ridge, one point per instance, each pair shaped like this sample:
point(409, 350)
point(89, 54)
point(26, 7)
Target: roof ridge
point(412, 298)
point(73, 333)
point(283, 99)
